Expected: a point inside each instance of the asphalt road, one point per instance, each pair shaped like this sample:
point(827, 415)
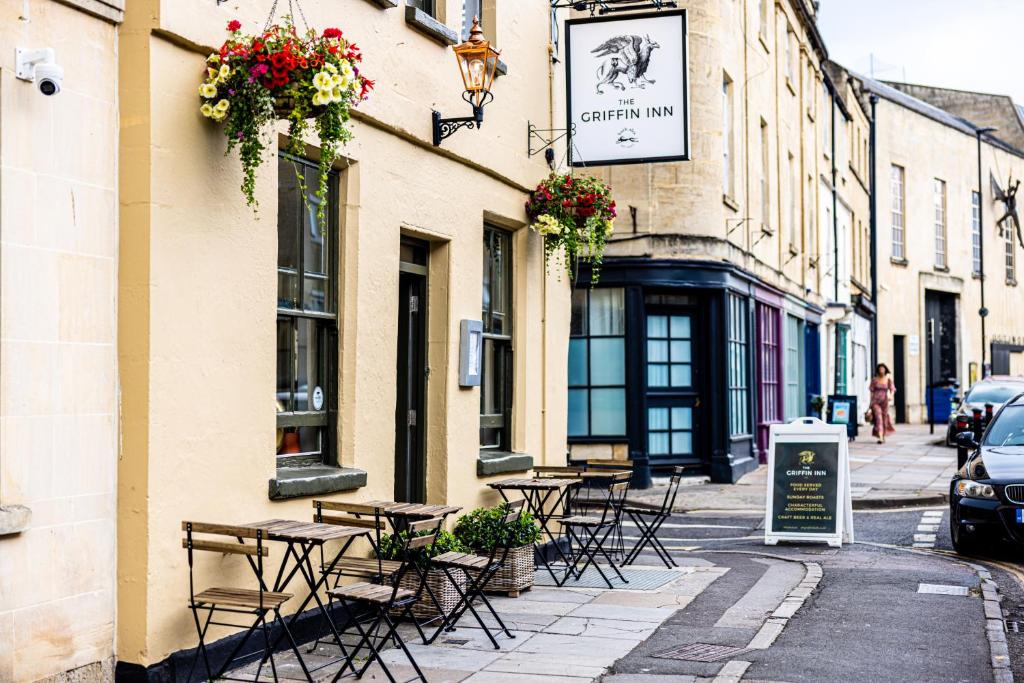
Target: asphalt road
point(866, 621)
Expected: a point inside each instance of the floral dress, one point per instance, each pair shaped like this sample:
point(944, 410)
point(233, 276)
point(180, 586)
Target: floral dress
point(880, 389)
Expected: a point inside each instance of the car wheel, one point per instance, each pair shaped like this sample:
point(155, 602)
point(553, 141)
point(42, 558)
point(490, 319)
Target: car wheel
point(963, 543)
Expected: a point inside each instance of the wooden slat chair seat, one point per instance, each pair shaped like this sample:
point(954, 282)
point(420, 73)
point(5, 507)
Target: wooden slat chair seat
point(372, 592)
point(367, 566)
point(462, 560)
point(241, 597)
point(259, 603)
point(590, 534)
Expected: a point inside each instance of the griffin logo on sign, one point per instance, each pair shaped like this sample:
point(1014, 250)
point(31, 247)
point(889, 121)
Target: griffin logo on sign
point(628, 56)
point(806, 458)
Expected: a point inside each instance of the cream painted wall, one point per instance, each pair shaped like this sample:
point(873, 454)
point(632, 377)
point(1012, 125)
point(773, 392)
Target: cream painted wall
point(952, 156)
point(199, 332)
point(58, 365)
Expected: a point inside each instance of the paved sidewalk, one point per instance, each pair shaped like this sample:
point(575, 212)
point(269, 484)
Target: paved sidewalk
point(913, 467)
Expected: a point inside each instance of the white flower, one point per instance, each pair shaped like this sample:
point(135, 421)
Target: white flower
point(213, 58)
point(206, 110)
point(330, 67)
point(225, 71)
point(208, 90)
point(547, 225)
point(319, 99)
point(222, 105)
point(322, 81)
point(336, 95)
point(346, 70)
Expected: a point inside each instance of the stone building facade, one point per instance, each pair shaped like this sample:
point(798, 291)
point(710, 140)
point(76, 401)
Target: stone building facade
point(58, 354)
point(748, 245)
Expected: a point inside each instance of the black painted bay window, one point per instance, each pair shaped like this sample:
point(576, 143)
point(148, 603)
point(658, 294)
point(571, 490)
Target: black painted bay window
point(597, 363)
point(496, 374)
point(307, 319)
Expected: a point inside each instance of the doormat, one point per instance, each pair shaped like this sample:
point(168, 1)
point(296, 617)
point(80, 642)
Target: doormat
point(700, 652)
point(639, 579)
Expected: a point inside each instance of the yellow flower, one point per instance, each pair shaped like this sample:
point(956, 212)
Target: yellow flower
point(330, 67)
point(336, 95)
point(547, 225)
point(218, 115)
point(211, 73)
point(346, 70)
point(208, 90)
point(319, 99)
point(206, 110)
point(222, 105)
point(213, 58)
point(225, 71)
point(322, 81)
point(608, 228)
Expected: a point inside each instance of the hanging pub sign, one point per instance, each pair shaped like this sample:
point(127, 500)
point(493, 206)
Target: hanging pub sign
point(627, 90)
point(808, 497)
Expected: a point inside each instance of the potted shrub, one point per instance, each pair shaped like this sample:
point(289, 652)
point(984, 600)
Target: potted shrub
point(480, 530)
point(308, 79)
point(391, 549)
point(574, 214)
point(818, 405)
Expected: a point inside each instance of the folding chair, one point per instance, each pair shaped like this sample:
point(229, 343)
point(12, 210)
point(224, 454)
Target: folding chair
point(595, 532)
point(479, 570)
point(255, 602)
point(356, 514)
point(591, 496)
point(648, 522)
point(381, 600)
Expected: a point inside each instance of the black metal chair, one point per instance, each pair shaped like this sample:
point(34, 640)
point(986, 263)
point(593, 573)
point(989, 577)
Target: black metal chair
point(253, 602)
point(382, 600)
point(589, 534)
point(648, 522)
point(479, 570)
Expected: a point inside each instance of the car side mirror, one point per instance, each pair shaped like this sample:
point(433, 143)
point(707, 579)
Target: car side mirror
point(966, 440)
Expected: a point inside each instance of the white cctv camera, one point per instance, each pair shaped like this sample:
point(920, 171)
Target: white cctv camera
point(39, 67)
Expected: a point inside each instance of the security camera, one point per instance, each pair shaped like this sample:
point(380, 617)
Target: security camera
point(39, 67)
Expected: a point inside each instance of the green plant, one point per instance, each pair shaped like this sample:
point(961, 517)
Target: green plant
point(481, 529)
point(254, 80)
point(391, 546)
point(574, 214)
point(817, 403)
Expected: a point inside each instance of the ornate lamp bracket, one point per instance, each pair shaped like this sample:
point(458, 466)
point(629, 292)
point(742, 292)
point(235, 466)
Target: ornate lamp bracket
point(444, 128)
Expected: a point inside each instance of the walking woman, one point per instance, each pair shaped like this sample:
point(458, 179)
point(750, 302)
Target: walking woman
point(882, 390)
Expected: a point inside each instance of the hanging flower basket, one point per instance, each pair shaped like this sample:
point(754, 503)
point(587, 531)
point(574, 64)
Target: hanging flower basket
point(308, 79)
point(574, 214)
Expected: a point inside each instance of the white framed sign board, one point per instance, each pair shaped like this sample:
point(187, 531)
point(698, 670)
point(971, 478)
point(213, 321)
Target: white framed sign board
point(627, 88)
point(808, 497)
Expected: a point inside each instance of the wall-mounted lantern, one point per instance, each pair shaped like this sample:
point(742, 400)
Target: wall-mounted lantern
point(478, 62)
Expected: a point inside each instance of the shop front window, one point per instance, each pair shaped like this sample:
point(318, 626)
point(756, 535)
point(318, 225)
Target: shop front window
point(842, 365)
point(496, 373)
point(307, 324)
point(597, 363)
point(739, 386)
point(793, 368)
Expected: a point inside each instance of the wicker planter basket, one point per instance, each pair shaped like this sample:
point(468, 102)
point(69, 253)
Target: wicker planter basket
point(516, 574)
point(442, 588)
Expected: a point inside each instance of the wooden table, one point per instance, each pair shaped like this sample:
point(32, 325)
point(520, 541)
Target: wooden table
point(302, 538)
point(537, 492)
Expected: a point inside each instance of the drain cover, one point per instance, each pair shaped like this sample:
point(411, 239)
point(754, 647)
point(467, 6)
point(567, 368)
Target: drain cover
point(455, 641)
point(701, 652)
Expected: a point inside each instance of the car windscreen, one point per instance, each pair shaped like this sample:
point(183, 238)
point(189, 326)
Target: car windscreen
point(1008, 428)
point(995, 394)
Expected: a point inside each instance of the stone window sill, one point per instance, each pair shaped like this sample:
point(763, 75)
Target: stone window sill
point(14, 519)
point(898, 261)
point(499, 462)
point(730, 202)
point(109, 10)
point(429, 26)
point(385, 4)
point(295, 482)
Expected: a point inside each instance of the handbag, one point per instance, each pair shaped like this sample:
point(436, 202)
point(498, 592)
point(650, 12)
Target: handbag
point(869, 415)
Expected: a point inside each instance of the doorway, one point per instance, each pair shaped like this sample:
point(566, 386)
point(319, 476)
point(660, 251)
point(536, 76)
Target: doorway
point(899, 376)
point(410, 380)
point(940, 331)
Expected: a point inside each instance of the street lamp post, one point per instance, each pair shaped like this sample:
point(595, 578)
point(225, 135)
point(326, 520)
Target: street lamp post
point(982, 311)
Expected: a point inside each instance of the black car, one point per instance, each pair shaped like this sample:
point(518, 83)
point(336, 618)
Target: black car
point(994, 390)
point(986, 499)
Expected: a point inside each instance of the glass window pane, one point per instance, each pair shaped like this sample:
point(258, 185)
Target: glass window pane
point(607, 362)
point(577, 362)
point(682, 418)
point(680, 327)
point(487, 281)
point(681, 351)
point(314, 255)
point(492, 390)
point(308, 352)
point(608, 412)
point(657, 351)
point(315, 294)
point(284, 365)
point(657, 443)
point(578, 327)
point(607, 311)
point(657, 418)
point(578, 413)
point(287, 289)
point(657, 375)
point(682, 443)
point(682, 375)
point(289, 214)
point(657, 326)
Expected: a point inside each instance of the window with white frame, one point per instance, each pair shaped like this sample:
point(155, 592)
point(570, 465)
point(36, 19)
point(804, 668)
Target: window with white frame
point(897, 192)
point(794, 192)
point(826, 120)
point(1011, 256)
point(739, 384)
point(975, 233)
point(939, 199)
point(790, 55)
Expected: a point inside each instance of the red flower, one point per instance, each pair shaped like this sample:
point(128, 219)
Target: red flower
point(278, 60)
point(333, 49)
point(234, 25)
point(332, 33)
point(257, 46)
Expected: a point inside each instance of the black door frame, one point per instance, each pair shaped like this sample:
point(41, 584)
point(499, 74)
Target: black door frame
point(410, 379)
point(899, 375)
